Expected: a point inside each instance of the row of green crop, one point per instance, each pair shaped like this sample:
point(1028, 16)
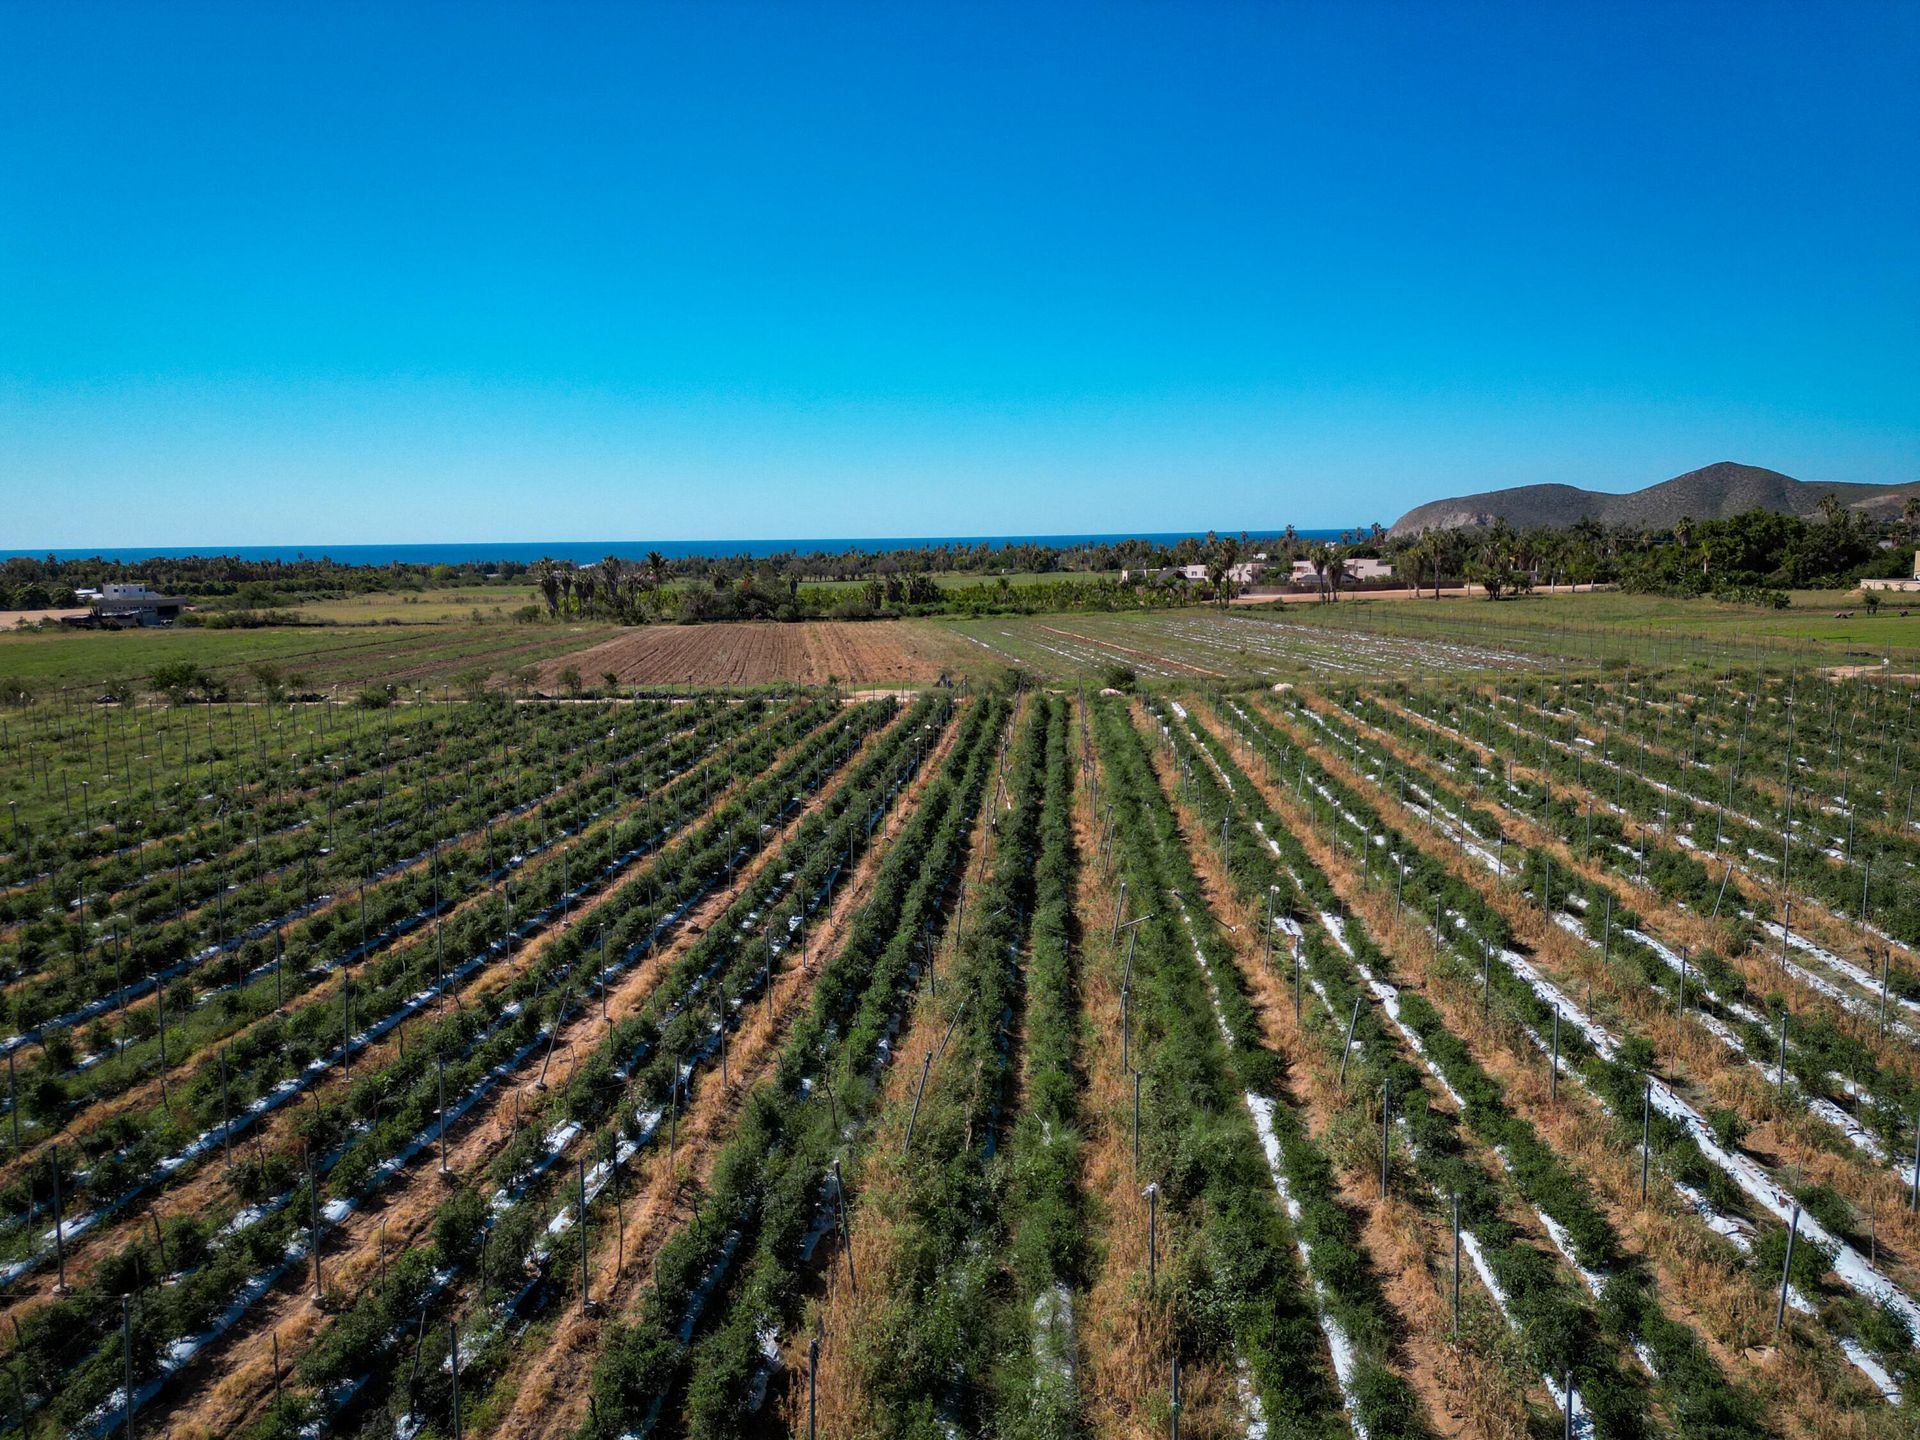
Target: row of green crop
point(1880, 775)
point(738, 1271)
point(921, 1359)
point(254, 979)
point(1877, 882)
point(279, 1050)
point(173, 913)
point(1829, 1059)
point(615, 1096)
point(292, 795)
point(1041, 1209)
point(1242, 1290)
point(1471, 949)
point(45, 765)
point(1560, 1330)
point(386, 1112)
point(172, 931)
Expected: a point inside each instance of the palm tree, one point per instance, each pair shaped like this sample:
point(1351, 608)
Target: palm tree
point(612, 573)
point(656, 569)
point(566, 589)
point(1320, 557)
point(1336, 571)
point(1220, 560)
point(548, 579)
point(587, 587)
point(1415, 560)
point(1292, 537)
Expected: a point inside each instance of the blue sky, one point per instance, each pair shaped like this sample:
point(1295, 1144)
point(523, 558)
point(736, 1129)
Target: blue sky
point(351, 272)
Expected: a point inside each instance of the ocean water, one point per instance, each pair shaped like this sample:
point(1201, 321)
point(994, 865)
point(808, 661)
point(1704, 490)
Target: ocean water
point(582, 551)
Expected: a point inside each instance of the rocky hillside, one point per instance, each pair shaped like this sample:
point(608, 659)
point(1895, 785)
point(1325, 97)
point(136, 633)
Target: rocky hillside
point(1712, 493)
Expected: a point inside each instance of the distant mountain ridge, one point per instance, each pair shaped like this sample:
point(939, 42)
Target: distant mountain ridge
point(1711, 493)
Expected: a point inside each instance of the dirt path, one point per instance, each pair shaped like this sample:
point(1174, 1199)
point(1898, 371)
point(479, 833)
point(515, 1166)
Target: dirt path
point(350, 1255)
point(551, 1387)
point(1726, 1310)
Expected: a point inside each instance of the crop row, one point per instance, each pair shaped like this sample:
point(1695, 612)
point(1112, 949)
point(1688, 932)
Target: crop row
point(738, 1270)
point(1615, 1064)
point(615, 1101)
point(360, 1138)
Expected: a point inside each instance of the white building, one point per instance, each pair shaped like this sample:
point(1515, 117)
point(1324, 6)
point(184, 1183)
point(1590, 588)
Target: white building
point(1355, 568)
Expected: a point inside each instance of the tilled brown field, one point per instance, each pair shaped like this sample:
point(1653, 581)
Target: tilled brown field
point(809, 653)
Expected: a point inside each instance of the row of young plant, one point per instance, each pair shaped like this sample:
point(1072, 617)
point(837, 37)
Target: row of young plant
point(1822, 759)
point(925, 1361)
point(1564, 1334)
point(178, 932)
point(1733, 1195)
point(1040, 1208)
point(737, 1272)
point(642, 1071)
point(151, 846)
point(1881, 891)
point(1279, 1279)
point(279, 1054)
point(59, 827)
point(1677, 874)
point(363, 1138)
point(1841, 1073)
point(126, 1043)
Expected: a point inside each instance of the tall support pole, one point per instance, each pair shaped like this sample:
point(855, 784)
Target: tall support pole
point(59, 1223)
point(1346, 1053)
point(1456, 1264)
point(1386, 1122)
point(1646, 1134)
point(1786, 1272)
point(126, 1354)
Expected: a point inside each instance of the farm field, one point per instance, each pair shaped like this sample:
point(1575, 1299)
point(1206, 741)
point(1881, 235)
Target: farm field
point(453, 605)
point(328, 658)
point(809, 652)
point(1396, 1051)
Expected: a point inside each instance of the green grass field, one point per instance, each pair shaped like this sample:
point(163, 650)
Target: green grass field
point(460, 605)
point(427, 641)
point(325, 657)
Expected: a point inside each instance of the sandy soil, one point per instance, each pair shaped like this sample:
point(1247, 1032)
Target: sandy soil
point(808, 653)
